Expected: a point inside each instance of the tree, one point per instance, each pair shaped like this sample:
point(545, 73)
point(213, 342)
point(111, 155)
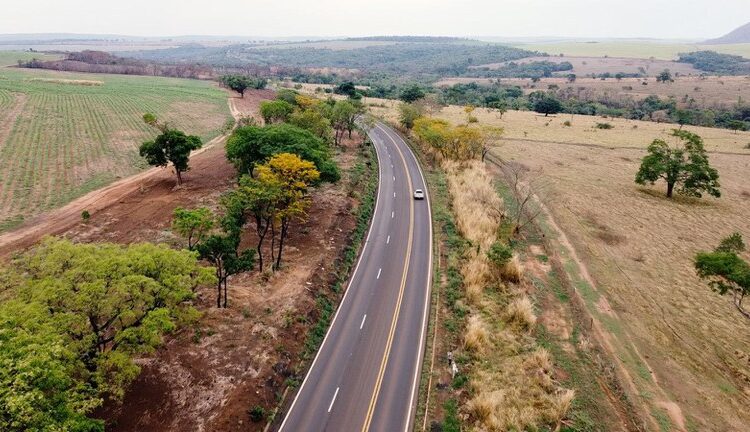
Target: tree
point(257, 200)
point(737, 125)
point(221, 250)
point(171, 146)
point(293, 175)
point(683, 117)
point(546, 104)
point(78, 315)
point(276, 111)
point(685, 167)
point(412, 94)
point(313, 120)
point(240, 83)
point(194, 225)
point(520, 183)
point(343, 118)
point(346, 88)
point(251, 145)
point(725, 271)
point(665, 76)
point(408, 113)
point(572, 78)
point(501, 106)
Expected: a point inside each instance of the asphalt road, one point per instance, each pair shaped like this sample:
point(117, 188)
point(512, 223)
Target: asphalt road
point(366, 373)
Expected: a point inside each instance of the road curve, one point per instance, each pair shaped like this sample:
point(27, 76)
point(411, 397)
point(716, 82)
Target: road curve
point(366, 373)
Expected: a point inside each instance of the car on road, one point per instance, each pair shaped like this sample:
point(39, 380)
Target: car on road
point(419, 194)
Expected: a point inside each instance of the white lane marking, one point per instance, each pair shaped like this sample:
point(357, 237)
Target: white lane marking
point(333, 400)
point(393, 214)
point(378, 276)
point(388, 240)
point(363, 322)
point(394, 178)
point(394, 194)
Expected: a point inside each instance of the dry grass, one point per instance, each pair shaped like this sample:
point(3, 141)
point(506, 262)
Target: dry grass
point(679, 338)
point(520, 312)
point(510, 377)
point(68, 81)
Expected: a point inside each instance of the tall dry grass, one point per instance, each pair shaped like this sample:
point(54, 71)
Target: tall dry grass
point(510, 377)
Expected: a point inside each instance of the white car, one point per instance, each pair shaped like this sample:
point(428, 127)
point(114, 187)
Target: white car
point(419, 194)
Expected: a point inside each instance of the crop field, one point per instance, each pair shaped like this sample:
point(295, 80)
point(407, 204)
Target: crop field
point(635, 49)
point(64, 134)
point(684, 348)
point(708, 91)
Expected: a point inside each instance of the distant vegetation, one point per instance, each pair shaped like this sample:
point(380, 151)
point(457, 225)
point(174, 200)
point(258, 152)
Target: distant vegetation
point(722, 64)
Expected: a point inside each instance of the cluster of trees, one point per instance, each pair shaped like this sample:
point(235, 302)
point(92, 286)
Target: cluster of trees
point(329, 120)
point(240, 83)
point(712, 61)
point(535, 69)
point(73, 318)
point(102, 62)
point(462, 142)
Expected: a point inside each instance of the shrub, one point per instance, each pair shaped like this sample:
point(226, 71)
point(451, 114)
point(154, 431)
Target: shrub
point(604, 126)
point(512, 271)
point(257, 413)
point(476, 338)
point(85, 215)
point(567, 123)
point(521, 313)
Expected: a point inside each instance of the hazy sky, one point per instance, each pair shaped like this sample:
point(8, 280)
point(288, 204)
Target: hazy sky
point(511, 18)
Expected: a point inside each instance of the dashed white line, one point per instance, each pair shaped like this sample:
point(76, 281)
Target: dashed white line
point(363, 322)
point(388, 240)
point(333, 400)
point(394, 194)
point(394, 178)
point(378, 276)
point(393, 214)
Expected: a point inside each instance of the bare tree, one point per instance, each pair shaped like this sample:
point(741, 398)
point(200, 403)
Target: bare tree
point(522, 182)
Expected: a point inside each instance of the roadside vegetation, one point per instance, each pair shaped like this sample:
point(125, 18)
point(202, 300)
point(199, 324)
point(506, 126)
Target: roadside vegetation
point(504, 379)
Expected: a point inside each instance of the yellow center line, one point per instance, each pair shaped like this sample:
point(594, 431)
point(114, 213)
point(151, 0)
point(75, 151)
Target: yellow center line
point(389, 343)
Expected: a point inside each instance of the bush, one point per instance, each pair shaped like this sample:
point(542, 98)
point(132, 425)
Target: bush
point(85, 215)
point(521, 313)
point(257, 413)
point(567, 123)
point(604, 126)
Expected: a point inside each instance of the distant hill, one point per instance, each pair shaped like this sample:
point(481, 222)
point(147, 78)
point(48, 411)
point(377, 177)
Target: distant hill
point(741, 35)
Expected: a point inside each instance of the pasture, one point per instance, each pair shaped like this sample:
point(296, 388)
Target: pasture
point(685, 348)
point(635, 49)
point(65, 134)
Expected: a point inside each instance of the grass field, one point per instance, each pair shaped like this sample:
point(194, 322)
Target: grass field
point(707, 92)
point(684, 347)
point(64, 134)
point(634, 49)
point(9, 58)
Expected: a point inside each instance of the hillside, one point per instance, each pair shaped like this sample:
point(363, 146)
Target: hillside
point(740, 35)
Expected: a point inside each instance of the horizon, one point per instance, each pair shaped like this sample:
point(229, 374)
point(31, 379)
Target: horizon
point(510, 19)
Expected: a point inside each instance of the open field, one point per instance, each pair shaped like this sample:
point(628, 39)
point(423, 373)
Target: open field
point(683, 349)
point(634, 49)
point(10, 58)
point(707, 92)
point(583, 66)
point(64, 134)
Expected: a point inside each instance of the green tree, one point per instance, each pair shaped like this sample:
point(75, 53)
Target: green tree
point(240, 83)
point(684, 167)
point(255, 200)
point(408, 113)
point(252, 145)
point(171, 146)
point(347, 89)
point(314, 121)
point(546, 104)
point(194, 225)
point(737, 125)
point(725, 271)
point(412, 94)
point(276, 111)
point(343, 118)
point(222, 251)
point(77, 316)
point(665, 76)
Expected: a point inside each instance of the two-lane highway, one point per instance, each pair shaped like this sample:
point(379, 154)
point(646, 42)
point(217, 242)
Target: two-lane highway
point(366, 373)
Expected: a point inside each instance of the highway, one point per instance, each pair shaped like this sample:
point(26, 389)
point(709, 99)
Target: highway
point(365, 375)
